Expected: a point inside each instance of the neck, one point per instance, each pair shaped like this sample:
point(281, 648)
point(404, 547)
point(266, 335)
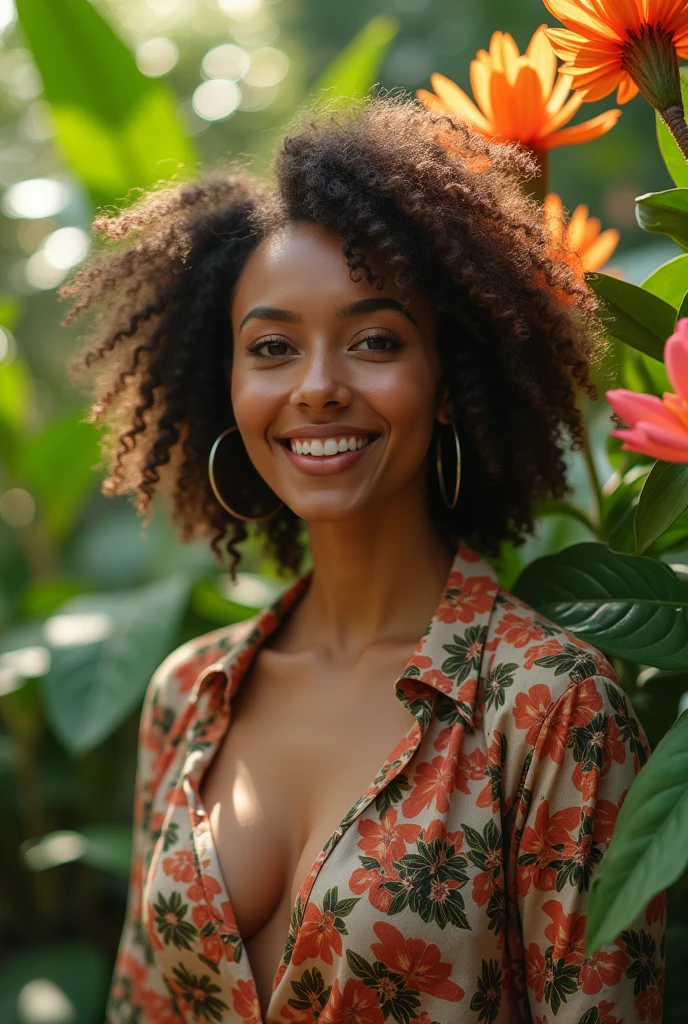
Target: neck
point(375, 578)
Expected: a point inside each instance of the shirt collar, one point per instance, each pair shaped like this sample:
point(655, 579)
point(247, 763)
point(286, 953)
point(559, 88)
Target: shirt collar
point(448, 655)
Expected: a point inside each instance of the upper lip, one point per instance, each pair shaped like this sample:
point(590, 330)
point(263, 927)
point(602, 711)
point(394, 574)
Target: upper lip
point(326, 430)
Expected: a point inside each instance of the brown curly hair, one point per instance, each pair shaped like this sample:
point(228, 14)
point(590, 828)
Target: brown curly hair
point(444, 209)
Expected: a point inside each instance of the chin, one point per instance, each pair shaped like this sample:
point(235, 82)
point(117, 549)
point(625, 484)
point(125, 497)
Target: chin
point(336, 509)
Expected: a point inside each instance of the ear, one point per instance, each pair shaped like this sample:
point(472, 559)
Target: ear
point(445, 406)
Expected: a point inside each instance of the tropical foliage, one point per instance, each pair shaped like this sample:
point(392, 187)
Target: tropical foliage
point(78, 646)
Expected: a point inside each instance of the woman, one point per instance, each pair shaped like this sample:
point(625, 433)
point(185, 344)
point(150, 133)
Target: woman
point(421, 773)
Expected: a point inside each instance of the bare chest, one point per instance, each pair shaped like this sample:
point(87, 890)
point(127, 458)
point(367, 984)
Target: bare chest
point(297, 755)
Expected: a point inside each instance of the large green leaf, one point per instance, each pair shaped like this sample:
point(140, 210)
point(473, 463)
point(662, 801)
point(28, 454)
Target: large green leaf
point(57, 465)
point(356, 68)
point(665, 213)
point(670, 281)
point(94, 683)
point(107, 847)
point(116, 128)
point(673, 157)
point(630, 607)
point(663, 499)
point(649, 848)
point(634, 315)
point(69, 984)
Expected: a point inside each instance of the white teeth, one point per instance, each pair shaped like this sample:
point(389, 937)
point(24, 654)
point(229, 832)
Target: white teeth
point(331, 446)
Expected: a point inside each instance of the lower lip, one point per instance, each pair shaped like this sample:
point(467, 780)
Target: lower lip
point(325, 465)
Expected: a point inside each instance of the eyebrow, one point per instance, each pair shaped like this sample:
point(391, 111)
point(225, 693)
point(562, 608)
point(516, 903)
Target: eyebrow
point(372, 305)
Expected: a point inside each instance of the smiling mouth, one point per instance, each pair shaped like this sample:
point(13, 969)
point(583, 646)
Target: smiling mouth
point(328, 446)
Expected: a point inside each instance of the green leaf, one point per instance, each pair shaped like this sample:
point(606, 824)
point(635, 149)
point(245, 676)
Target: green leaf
point(630, 607)
point(671, 154)
point(634, 315)
point(94, 683)
point(670, 281)
point(649, 848)
point(665, 213)
point(117, 129)
point(105, 847)
point(70, 977)
point(663, 499)
point(683, 308)
point(10, 309)
point(57, 466)
point(356, 68)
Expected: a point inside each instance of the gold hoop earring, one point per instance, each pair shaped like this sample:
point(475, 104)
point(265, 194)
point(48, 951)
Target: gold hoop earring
point(216, 491)
point(440, 466)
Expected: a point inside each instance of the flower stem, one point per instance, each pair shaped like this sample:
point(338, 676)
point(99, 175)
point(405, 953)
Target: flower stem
point(593, 481)
point(675, 120)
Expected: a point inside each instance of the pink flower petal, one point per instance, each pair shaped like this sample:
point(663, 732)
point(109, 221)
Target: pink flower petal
point(633, 406)
point(676, 358)
point(677, 439)
point(636, 441)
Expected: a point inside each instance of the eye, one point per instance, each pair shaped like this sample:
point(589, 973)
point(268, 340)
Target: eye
point(378, 343)
point(266, 348)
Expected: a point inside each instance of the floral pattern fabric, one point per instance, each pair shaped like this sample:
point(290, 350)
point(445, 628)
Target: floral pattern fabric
point(455, 888)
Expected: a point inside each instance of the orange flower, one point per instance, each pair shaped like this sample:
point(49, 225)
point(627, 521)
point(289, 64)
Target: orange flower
point(625, 45)
point(520, 97)
point(579, 240)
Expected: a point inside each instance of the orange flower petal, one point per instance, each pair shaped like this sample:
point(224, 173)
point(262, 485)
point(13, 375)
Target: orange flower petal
point(671, 14)
point(577, 224)
point(561, 89)
point(582, 19)
point(619, 15)
point(564, 115)
point(456, 100)
point(627, 90)
point(504, 106)
point(585, 131)
point(598, 252)
point(480, 84)
point(527, 105)
point(542, 57)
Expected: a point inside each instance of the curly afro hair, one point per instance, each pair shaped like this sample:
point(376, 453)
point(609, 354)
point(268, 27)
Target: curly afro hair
point(444, 209)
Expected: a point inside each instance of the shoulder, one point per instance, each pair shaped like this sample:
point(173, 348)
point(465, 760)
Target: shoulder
point(172, 682)
point(534, 669)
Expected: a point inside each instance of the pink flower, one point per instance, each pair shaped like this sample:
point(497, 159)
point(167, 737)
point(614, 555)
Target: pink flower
point(659, 426)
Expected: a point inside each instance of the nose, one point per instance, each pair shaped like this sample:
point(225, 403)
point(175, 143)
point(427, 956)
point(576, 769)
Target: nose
point(321, 382)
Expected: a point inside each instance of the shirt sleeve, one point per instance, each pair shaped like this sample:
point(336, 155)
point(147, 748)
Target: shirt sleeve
point(584, 750)
point(137, 993)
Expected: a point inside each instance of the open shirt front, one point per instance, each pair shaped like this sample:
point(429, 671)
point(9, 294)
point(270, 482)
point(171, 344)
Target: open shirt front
point(454, 889)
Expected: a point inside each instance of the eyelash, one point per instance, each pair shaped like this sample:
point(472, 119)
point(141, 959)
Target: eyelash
point(254, 347)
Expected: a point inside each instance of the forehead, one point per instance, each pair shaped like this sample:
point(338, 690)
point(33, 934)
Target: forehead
point(301, 266)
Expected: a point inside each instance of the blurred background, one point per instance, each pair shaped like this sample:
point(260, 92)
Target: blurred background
point(96, 99)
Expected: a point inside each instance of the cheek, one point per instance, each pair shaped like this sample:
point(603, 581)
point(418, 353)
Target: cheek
point(407, 399)
point(255, 401)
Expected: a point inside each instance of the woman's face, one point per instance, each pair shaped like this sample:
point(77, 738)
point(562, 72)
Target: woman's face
point(335, 388)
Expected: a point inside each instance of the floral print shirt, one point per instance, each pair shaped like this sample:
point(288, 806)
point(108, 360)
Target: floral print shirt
point(454, 889)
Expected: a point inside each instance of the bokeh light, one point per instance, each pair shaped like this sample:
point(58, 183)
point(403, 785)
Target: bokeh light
point(35, 197)
point(157, 56)
point(216, 99)
point(268, 67)
point(17, 507)
point(242, 10)
point(226, 61)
